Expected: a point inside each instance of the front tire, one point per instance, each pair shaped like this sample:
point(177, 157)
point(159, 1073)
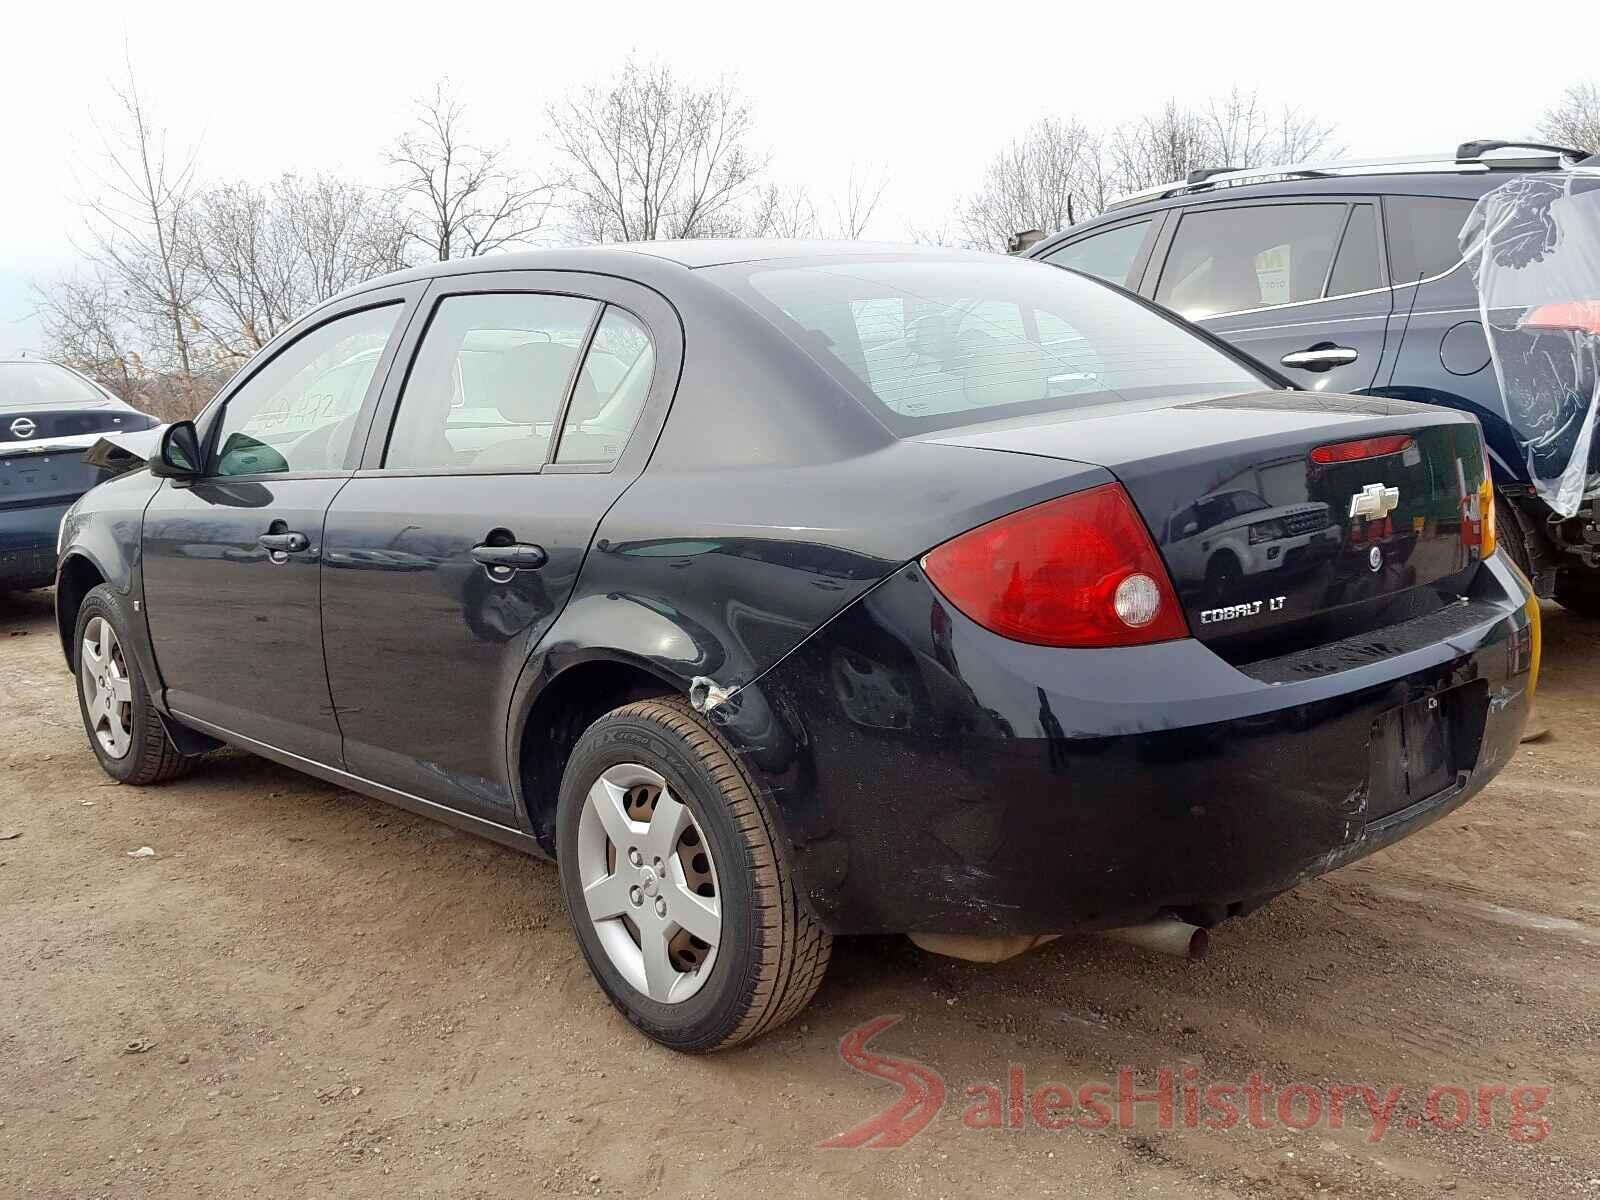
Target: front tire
point(675, 883)
point(125, 731)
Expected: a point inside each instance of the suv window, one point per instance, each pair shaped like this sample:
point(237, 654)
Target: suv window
point(610, 391)
point(488, 382)
point(1357, 269)
point(1230, 259)
point(1107, 255)
point(298, 412)
point(1423, 233)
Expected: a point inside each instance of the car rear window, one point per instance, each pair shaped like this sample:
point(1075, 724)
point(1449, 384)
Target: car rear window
point(29, 385)
point(942, 343)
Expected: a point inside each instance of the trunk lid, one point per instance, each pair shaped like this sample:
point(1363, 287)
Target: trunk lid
point(21, 426)
point(1269, 550)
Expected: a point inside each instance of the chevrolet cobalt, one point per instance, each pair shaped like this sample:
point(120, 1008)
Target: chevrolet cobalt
point(781, 591)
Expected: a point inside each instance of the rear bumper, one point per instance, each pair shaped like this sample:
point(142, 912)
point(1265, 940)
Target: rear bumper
point(28, 544)
point(934, 777)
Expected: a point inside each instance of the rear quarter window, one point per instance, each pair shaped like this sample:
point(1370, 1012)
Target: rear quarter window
point(1424, 233)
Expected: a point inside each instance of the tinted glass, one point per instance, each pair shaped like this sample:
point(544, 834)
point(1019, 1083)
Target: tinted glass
point(934, 344)
point(32, 385)
point(299, 411)
point(488, 381)
point(610, 392)
point(1230, 259)
point(1356, 269)
point(1107, 255)
point(1423, 233)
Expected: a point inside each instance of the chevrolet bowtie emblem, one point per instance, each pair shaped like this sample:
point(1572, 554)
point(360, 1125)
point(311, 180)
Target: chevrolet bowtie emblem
point(1375, 501)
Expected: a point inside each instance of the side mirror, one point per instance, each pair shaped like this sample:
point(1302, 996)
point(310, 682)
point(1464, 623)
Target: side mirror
point(179, 453)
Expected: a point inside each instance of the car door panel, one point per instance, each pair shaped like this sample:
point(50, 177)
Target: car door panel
point(1333, 338)
point(425, 642)
point(1347, 323)
point(237, 633)
point(235, 623)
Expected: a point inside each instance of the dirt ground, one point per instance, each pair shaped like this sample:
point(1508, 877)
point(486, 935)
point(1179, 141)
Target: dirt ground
point(308, 993)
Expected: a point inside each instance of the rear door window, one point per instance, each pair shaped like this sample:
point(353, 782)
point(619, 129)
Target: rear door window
point(1357, 268)
point(487, 385)
point(1252, 256)
point(1423, 235)
point(610, 391)
point(1109, 255)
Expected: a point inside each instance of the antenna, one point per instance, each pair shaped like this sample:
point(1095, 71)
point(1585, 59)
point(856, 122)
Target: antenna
point(1416, 290)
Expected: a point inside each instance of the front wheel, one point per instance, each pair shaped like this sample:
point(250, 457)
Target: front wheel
point(676, 885)
point(125, 731)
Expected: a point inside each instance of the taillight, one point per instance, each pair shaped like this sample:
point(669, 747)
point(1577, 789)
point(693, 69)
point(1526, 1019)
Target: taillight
point(1487, 539)
point(1374, 447)
point(1580, 315)
point(1077, 571)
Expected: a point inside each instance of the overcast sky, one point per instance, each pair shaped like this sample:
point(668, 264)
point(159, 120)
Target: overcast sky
point(925, 91)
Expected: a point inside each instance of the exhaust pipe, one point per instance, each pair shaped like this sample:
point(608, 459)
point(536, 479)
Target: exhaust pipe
point(1166, 935)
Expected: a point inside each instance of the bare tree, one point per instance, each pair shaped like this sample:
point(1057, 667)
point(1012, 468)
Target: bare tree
point(863, 192)
point(1045, 180)
point(654, 157)
point(265, 255)
point(1160, 147)
point(134, 224)
point(464, 199)
point(85, 326)
point(1574, 120)
point(784, 211)
point(1245, 132)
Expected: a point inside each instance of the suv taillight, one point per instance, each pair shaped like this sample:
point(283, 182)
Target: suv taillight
point(1080, 570)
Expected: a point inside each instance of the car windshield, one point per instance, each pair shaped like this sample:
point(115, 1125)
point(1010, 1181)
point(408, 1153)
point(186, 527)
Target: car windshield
point(934, 344)
point(32, 385)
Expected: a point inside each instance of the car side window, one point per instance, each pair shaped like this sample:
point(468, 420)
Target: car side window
point(1357, 268)
point(1253, 256)
point(1109, 255)
point(299, 411)
point(1423, 233)
point(610, 391)
point(488, 381)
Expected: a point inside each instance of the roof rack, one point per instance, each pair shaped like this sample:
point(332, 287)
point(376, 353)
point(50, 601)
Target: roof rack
point(1469, 158)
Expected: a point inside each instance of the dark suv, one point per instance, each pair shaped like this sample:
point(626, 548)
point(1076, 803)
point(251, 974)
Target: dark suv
point(1349, 278)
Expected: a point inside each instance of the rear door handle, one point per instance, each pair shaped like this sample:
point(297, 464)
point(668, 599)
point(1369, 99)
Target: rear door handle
point(519, 556)
point(1320, 358)
point(284, 543)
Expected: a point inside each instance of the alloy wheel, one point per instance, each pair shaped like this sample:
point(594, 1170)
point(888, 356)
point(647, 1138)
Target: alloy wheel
point(107, 690)
point(649, 883)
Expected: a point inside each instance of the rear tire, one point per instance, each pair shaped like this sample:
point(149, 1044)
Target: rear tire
point(124, 729)
point(1508, 534)
point(750, 973)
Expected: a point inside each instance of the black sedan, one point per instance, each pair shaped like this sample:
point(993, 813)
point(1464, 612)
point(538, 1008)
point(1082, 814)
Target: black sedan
point(48, 415)
point(785, 590)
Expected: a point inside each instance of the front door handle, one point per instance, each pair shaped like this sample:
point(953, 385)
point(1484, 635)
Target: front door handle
point(1320, 358)
point(284, 543)
point(518, 556)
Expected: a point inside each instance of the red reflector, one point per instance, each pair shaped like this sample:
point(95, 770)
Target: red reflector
point(1376, 447)
point(1077, 571)
point(1583, 315)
